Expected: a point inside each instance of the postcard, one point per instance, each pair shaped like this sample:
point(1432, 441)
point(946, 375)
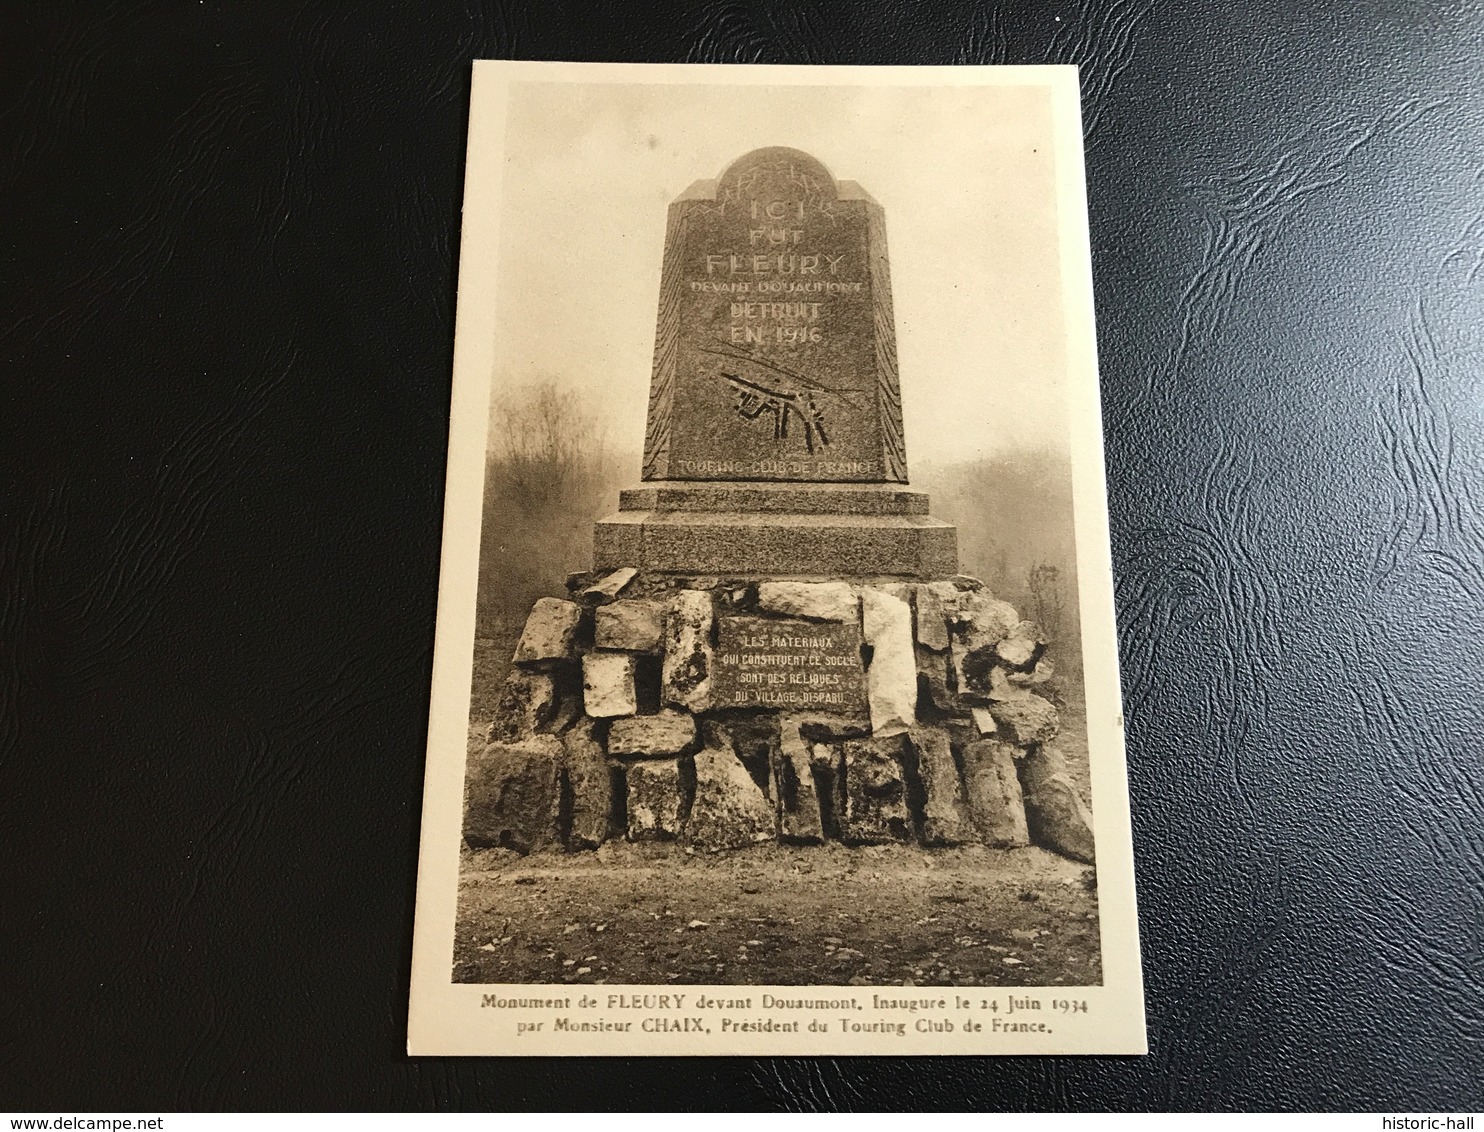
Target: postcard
point(775, 702)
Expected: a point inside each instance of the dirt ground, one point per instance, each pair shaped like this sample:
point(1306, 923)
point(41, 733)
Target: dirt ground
point(822, 915)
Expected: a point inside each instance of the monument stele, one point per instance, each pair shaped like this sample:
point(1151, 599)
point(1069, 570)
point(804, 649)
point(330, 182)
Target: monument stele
point(774, 444)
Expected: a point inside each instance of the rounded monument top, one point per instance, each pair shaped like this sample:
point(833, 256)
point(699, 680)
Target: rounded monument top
point(764, 169)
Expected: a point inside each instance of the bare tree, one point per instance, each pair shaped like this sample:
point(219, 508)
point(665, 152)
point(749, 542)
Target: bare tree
point(548, 475)
point(544, 445)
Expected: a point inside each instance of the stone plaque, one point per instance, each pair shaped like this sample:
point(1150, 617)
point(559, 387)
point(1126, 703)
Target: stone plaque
point(796, 665)
point(775, 350)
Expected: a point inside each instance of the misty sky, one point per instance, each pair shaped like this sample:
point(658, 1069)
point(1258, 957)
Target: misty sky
point(965, 176)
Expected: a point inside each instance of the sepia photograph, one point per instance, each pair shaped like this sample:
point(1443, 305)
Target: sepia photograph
point(778, 669)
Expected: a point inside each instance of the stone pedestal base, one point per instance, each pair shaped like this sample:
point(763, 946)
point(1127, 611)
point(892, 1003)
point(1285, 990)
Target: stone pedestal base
point(622, 717)
point(776, 529)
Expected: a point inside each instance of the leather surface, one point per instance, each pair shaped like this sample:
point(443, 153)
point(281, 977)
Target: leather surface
point(230, 240)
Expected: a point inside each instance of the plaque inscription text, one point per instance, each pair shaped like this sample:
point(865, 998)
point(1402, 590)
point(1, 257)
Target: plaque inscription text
point(766, 662)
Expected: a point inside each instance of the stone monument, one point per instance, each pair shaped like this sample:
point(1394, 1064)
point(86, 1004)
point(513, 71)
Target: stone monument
point(774, 643)
point(774, 444)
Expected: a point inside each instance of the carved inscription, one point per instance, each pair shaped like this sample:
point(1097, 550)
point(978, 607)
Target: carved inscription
point(768, 354)
point(767, 662)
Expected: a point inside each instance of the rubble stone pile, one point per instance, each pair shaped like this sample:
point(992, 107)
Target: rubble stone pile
point(611, 724)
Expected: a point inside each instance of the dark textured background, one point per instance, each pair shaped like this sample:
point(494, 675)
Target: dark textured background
point(228, 239)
